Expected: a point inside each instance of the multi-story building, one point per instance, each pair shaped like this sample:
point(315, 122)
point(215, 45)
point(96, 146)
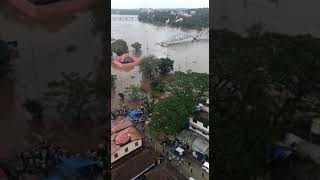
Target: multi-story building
point(125, 139)
point(199, 122)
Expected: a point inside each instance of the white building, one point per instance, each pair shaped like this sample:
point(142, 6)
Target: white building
point(199, 123)
point(124, 139)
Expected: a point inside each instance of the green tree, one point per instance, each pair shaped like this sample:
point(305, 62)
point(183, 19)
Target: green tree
point(157, 85)
point(165, 65)
point(5, 65)
point(149, 66)
point(170, 116)
point(190, 85)
point(136, 46)
point(74, 97)
point(134, 92)
point(119, 47)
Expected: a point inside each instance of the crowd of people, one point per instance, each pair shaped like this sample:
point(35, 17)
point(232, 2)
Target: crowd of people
point(44, 157)
point(124, 111)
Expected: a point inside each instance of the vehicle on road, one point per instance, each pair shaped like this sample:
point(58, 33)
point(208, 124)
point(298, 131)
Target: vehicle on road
point(205, 166)
point(177, 150)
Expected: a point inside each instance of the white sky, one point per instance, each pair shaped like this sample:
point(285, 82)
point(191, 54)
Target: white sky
point(134, 4)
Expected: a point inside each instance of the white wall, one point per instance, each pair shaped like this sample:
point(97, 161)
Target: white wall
point(121, 152)
point(199, 125)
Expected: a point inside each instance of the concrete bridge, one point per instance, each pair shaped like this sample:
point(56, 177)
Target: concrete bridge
point(124, 18)
point(182, 38)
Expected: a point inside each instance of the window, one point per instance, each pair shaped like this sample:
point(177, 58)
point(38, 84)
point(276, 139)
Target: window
point(126, 149)
point(116, 155)
point(205, 125)
point(136, 144)
point(194, 120)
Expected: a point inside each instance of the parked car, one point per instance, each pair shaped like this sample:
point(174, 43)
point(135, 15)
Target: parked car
point(205, 167)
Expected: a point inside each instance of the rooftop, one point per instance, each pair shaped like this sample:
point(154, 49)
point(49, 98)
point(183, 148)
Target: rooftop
point(122, 132)
point(133, 165)
point(164, 172)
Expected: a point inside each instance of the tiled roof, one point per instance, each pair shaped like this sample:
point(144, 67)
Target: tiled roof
point(123, 128)
point(134, 165)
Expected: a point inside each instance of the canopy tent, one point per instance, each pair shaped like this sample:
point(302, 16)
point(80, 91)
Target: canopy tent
point(180, 150)
point(200, 145)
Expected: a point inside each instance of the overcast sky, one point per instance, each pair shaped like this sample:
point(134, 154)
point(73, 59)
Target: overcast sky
point(133, 4)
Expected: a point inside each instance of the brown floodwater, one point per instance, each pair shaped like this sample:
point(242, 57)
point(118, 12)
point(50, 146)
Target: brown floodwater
point(190, 55)
point(43, 56)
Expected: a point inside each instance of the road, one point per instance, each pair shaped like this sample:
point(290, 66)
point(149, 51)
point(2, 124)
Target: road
point(181, 165)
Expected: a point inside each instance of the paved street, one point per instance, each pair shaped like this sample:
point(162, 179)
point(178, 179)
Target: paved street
point(194, 170)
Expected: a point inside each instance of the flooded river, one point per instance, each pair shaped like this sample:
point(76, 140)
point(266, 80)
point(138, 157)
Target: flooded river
point(191, 55)
point(43, 57)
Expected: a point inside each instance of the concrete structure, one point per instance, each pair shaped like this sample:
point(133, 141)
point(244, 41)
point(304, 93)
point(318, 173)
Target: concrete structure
point(124, 139)
point(199, 123)
point(52, 9)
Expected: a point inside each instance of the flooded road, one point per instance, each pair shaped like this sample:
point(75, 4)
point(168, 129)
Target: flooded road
point(43, 57)
point(191, 55)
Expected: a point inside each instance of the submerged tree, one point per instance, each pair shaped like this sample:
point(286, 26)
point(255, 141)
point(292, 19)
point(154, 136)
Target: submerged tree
point(136, 46)
point(149, 66)
point(165, 65)
point(119, 47)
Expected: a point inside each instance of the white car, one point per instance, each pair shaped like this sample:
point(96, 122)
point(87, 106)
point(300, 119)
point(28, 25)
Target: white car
point(205, 166)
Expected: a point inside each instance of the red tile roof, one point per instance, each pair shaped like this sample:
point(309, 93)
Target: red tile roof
point(121, 133)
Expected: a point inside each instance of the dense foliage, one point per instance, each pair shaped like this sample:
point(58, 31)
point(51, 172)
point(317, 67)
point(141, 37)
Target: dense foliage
point(198, 20)
point(119, 47)
point(259, 84)
point(191, 85)
point(165, 65)
point(134, 93)
point(136, 46)
point(157, 85)
point(150, 66)
point(169, 116)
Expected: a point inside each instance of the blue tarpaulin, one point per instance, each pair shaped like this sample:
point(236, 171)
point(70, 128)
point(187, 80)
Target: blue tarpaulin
point(76, 163)
point(134, 112)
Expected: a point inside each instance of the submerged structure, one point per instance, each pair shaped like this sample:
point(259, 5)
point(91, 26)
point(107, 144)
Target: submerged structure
point(125, 61)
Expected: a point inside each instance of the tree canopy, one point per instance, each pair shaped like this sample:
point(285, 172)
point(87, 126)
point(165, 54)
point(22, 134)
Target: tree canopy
point(136, 46)
point(170, 115)
point(119, 47)
point(165, 65)
point(149, 66)
point(190, 85)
